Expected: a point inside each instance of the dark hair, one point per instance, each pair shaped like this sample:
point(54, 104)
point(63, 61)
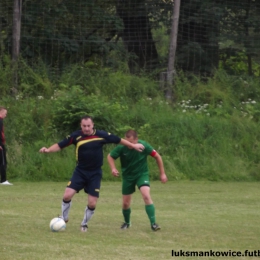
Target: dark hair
point(131, 133)
point(86, 117)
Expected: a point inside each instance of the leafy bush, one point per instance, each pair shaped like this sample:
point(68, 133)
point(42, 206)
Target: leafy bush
point(6, 75)
point(211, 131)
point(69, 107)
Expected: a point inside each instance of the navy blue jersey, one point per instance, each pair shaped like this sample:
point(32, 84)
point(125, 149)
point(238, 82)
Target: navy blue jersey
point(89, 148)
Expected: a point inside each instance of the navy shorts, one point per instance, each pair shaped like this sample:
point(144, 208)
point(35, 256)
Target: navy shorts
point(90, 181)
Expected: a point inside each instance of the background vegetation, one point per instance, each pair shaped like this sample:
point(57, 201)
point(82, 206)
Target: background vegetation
point(211, 34)
point(104, 58)
point(210, 132)
point(109, 59)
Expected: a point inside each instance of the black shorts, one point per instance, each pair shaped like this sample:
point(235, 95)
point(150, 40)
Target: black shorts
point(90, 181)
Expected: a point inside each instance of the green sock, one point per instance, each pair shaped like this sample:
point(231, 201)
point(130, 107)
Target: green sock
point(150, 210)
point(126, 214)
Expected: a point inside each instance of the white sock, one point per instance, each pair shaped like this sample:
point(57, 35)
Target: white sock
point(87, 216)
point(65, 207)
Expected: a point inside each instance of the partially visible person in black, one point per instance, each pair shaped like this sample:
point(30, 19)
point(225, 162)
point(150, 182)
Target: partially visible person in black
point(87, 175)
point(3, 162)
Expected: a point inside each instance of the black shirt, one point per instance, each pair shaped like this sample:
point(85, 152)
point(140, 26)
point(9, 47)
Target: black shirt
point(89, 148)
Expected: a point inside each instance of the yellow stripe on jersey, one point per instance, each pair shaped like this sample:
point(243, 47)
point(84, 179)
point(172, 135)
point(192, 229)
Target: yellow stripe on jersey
point(84, 142)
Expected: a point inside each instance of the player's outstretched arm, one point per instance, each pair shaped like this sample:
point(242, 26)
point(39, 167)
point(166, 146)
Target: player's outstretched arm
point(138, 147)
point(159, 162)
point(111, 162)
point(51, 149)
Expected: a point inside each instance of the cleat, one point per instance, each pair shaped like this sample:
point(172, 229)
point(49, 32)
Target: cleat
point(84, 228)
point(6, 183)
point(125, 226)
point(66, 221)
point(155, 227)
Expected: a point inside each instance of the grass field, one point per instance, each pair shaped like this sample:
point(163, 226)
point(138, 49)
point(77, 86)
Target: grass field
point(194, 216)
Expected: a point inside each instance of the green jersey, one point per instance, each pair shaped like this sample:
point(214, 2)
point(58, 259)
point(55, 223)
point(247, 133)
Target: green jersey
point(133, 163)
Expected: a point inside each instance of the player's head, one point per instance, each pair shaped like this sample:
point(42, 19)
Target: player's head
point(131, 136)
point(3, 112)
point(87, 117)
point(87, 125)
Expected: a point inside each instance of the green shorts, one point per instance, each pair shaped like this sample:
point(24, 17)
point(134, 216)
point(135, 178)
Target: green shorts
point(128, 186)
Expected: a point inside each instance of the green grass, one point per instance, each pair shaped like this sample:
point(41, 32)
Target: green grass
point(194, 216)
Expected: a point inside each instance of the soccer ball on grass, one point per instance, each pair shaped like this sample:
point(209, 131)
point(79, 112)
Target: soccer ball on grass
point(57, 224)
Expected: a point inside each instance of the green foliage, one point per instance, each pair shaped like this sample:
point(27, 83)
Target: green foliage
point(221, 95)
point(70, 106)
point(238, 64)
point(28, 119)
point(77, 29)
point(94, 79)
point(211, 34)
point(27, 164)
point(210, 132)
point(162, 40)
point(105, 95)
point(76, 63)
point(128, 87)
point(6, 75)
point(35, 79)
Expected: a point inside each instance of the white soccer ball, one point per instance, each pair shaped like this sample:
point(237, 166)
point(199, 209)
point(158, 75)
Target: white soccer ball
point(57, 224)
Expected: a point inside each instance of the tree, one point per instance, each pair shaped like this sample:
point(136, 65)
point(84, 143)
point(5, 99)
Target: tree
point(64, 32)
point(137, 34)
point(198, 36)
point(240, 36)
point(213, 31)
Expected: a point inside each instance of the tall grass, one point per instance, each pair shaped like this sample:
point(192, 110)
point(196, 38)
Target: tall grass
point(210, 131)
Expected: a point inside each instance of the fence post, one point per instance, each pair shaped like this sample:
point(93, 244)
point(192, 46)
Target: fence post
point(172, 49)
point(16, 35)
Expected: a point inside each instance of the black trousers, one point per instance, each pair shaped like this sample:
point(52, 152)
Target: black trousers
point(3, 164)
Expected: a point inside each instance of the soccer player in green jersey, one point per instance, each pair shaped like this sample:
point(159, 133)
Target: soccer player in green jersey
point(135, 173)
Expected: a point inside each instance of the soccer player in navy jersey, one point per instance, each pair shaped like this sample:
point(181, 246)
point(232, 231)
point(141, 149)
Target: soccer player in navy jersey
point(135, 173)
point(88, 173)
